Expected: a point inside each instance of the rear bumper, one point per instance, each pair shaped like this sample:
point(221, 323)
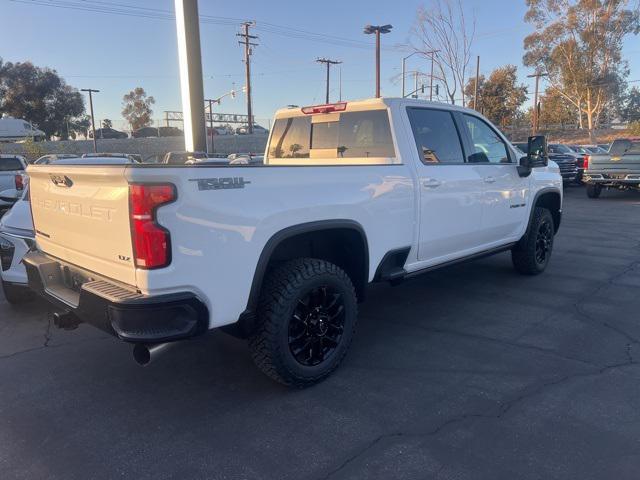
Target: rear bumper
point(114, 308)
point(629, 179)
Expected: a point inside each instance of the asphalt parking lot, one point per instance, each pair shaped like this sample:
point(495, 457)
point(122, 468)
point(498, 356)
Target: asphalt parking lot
point(468, 373)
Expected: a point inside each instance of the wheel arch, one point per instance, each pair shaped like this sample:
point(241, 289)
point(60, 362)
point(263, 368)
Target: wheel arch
point(312, 239)
point(551, 199)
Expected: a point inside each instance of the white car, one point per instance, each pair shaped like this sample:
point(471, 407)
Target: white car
point(349, 194)
point(16, 238)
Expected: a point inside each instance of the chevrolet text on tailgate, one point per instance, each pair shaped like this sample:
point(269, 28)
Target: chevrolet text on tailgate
point(281, 253)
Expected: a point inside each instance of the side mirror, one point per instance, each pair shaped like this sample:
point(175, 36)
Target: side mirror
point(537, 155)
point(11, 196)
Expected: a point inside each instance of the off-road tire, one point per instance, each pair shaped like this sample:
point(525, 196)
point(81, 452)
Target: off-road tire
point(16, 295)
point(525, 255)
point(593, 190)
point(284, 287)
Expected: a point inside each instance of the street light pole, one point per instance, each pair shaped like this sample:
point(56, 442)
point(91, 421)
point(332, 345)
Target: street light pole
point(432, 52)
point(378, 30)
point(93, 123)
point(404, 71)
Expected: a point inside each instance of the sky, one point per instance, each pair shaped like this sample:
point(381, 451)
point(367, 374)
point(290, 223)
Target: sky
point(116, 53)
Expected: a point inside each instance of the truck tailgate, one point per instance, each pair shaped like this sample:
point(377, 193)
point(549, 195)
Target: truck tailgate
point(81, 216)
point(625, 163)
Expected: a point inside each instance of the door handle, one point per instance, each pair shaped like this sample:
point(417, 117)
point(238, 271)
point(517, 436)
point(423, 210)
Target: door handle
point(431, 183)
point(489, 180)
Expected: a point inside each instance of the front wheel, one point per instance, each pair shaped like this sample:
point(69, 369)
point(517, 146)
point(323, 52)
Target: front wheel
point(305, 323)
point(593, 190)
point(531, 254)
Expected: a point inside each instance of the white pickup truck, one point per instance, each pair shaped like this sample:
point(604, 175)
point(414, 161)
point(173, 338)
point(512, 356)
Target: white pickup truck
point(349, 194)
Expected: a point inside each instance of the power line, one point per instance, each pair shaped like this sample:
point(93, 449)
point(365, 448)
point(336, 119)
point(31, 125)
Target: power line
point(154, 13)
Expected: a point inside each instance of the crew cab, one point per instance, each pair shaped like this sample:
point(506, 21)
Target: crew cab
point(281, 253)
point(619, 168)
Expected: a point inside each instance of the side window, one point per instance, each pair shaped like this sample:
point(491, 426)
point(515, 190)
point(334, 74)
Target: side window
point(487, 145)
point(291, 138)
point(436, 136)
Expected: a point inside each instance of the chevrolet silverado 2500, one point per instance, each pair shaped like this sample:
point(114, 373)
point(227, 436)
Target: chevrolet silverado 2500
point(349, 193)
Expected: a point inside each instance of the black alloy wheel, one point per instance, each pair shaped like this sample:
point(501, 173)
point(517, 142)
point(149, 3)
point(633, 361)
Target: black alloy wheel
point(544, 241)
point(317, 326)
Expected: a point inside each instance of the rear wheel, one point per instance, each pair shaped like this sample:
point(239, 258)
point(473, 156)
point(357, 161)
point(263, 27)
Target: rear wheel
point(15, 294)
point(305, 323)
point(593, 190)
point(531, 254)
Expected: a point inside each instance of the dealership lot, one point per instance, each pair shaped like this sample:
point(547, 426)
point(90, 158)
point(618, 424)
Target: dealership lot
point(465, 370)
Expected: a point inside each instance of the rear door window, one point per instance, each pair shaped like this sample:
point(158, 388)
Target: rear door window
point(436, 136)
point(10, 164)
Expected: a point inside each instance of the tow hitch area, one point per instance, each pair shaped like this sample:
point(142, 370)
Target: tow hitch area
point(66, 320)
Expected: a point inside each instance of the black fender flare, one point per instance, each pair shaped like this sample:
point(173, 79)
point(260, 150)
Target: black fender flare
point(539, 193)
point(276, 239)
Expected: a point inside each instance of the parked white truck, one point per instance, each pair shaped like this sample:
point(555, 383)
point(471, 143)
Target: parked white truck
point(350, 193)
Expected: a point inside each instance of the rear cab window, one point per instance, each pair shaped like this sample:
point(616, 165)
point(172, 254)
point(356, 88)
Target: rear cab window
point(10, 164)
point(335, 138)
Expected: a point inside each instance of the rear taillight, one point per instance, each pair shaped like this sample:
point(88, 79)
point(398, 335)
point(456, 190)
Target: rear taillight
point(151, 242)
point(585, 162)
point(19, 180)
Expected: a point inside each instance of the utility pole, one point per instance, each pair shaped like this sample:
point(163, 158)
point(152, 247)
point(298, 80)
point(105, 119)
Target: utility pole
point(93, 123)
point(537, 76)
point(328, 63)
point(415, 81)
point(377, 29)
point(340, 82)
point(475, 89)
point(246, 41)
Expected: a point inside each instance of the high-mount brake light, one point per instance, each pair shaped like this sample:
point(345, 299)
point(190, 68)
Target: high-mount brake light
point(327, 108)
point(151, 242)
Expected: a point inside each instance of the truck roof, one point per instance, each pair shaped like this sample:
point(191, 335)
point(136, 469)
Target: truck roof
point(371, 104)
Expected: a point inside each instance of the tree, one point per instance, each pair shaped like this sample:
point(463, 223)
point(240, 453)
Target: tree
point(39, 96)
point(630, 108)
point(442, 26)
point(470, 91)
point(79, 126)
point(136, 108)
point(499, 97)
point(556, 110)
point(106, 123)
point(578, 43)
